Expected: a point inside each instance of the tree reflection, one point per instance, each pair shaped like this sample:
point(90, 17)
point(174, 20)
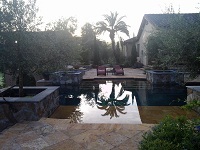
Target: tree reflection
point(113, 98)
point(76, 116)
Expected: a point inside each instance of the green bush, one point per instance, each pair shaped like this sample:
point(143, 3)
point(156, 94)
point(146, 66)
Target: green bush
point(172, 134)
point(1, 80)
point(191, 105)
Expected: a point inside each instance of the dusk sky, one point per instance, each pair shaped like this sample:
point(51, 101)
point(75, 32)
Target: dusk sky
point(91, 10)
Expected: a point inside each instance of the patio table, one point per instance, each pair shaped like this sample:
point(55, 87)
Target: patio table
point(109, 70)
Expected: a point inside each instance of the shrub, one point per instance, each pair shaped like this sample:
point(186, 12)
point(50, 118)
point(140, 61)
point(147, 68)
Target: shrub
point(172, 133)
point(1, 80)
point(192, 105)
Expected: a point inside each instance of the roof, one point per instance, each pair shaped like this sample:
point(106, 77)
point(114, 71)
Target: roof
point(131, 40)
point(163, 20)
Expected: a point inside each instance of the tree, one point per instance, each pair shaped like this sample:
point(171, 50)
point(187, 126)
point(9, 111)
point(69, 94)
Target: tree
point(87, 43)
point(178, 44)
point(105, 52)
point(97, 59)
point(71, 44)
point(17, 17)
point(112, 25)
point(64, 24)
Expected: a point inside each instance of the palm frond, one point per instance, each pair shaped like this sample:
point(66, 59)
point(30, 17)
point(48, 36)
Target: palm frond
point(112, 24)
point(101, 27)
point(120, 19)
point(114, 18)
point(108, 19)
point(122, 27)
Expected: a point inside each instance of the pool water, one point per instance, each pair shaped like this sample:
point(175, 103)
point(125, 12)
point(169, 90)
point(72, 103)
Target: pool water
point(115, 101)
point(145, 93)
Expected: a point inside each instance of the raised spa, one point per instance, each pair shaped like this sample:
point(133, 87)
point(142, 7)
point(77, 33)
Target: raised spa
point(165, 77)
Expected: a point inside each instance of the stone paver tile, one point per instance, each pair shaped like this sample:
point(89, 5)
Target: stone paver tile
point(130, 144)
point(85, 138)
point(114, 138)
point(35, 144)
point(8, 135)
point(138, 137)
point(45, 130)
point(55, 137)
point(34, 125)
point(10, 145)
point(99, 144)
point(149, 125)
point(2, 142)
point(82, 126)
point(136, 126)
point(72, 133)
point(128, 133)
point(146, 127)
point(25, 137)
point(17, 127)
point(103, 126)
point(97, 132)
point(63, 126)
point(68, 144)
point(98, 126)
point(117, 148)
point(129, 127)
point(115, 127)
point(52, 121)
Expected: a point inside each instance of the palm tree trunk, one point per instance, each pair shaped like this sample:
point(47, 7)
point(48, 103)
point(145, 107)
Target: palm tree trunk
point(112, 37)
point(114, 52)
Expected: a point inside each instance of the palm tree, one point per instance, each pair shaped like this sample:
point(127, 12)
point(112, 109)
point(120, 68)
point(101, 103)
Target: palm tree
point(113, 25)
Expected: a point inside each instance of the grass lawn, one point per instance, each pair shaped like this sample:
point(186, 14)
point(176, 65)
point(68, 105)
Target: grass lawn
point(1, 79)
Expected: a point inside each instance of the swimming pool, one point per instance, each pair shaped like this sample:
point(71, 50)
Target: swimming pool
point(115, 101)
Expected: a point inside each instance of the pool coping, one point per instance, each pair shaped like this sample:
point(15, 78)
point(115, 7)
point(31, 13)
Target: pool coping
point(37, 98)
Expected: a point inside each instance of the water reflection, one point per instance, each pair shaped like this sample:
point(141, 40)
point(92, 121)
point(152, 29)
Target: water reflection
point(115, 101)
point(113, 98)
point(108, 97)
point(75, 115)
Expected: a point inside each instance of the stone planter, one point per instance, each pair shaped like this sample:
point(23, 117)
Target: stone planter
point(67, 77)
point(38, 102)
point(193, 93)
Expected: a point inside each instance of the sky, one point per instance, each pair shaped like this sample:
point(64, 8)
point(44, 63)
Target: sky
point(92, 11)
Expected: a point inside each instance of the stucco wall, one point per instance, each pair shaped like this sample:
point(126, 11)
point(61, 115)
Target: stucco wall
point(127, 49)
point(148, 29)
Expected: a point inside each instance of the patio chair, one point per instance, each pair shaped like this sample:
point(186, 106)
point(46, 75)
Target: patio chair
point(101, 70)
point(117, 69)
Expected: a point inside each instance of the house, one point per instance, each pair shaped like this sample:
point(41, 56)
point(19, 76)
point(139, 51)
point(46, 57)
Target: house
point(150, 24)
point(127, 46)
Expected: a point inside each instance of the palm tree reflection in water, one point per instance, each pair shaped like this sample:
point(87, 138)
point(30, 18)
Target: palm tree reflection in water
point(113, 98)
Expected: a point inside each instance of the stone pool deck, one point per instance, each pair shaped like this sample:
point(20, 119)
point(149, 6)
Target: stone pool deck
point(59, 134)
point(129, 73)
